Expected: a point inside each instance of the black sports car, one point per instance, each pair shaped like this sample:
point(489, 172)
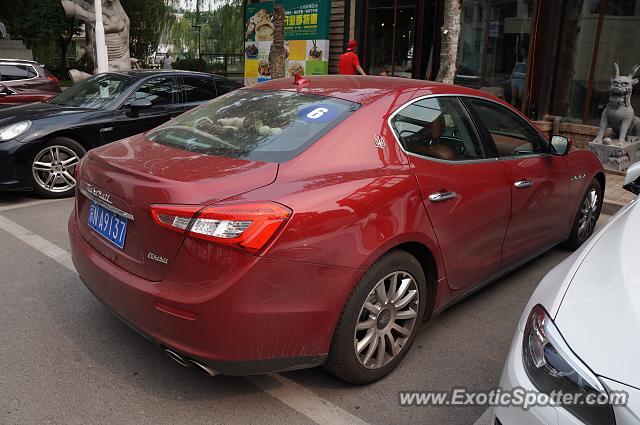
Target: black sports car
point(40, 143)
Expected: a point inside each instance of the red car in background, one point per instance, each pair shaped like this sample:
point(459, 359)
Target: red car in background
point(24, 81)
point(26, 74)
point(13, 97)
point(287, 226)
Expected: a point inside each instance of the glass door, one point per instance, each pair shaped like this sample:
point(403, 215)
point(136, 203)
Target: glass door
point(390, 37)
point(494, 47)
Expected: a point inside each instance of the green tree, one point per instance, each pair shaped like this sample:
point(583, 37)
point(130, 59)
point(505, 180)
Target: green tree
point(221, 32)
point(149, 18)
point(225, 26)
point(183, 39)
point(41, 21)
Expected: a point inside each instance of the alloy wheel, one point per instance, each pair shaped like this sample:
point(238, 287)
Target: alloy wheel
point(588, 214)
point(386, 320)
point(53, 168)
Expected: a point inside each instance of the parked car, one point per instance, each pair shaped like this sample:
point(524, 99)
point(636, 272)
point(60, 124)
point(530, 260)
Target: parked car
point(287, 226)
point(18, 96)
point(25, 74)
point(40, 143)
point(578, 334)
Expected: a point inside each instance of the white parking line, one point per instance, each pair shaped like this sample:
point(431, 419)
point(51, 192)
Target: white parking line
point(49, 249)
point(294, 395)
point(300, 398)
point(29, 204)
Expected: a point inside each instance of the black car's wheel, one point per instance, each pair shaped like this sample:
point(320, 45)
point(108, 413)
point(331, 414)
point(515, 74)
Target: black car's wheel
point(380, 320)
point(52, 167)
point(586, 216)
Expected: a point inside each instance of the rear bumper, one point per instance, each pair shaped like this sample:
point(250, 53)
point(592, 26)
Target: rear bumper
point(274, 315)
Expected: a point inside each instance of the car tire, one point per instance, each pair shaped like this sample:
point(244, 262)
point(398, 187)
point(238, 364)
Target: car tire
point(586, 217)
point(345, 360)
point(52, 167)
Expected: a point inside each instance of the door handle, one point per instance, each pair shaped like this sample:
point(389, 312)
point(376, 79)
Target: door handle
point(442, 196)
point(522, 184)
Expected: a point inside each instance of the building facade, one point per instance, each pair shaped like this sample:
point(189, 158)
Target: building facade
point(546, 57)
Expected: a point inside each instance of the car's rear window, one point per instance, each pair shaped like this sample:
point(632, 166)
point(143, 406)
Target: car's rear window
point(257, 125)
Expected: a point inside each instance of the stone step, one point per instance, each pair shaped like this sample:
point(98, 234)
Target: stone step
point(16, 53)
point(12, 44)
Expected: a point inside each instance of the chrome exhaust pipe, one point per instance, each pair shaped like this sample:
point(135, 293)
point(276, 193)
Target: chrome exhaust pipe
point(182, 361)
point(208, 370)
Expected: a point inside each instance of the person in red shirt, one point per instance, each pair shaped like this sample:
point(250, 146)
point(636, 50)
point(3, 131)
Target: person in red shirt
point(348, 63)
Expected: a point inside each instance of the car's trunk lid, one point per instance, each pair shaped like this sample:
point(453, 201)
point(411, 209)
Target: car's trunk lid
point(132, 174)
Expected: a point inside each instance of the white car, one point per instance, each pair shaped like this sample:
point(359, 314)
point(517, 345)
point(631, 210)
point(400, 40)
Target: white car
point(580, 333)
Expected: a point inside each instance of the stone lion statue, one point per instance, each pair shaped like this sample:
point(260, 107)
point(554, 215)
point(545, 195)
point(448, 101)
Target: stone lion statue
point(619, 114)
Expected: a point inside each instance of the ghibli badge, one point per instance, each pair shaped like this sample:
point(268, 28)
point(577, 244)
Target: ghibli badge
point(158, 258)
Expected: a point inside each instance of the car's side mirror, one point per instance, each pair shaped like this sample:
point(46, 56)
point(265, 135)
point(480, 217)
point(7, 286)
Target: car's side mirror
point(632, 180)
point(139, 105)
point(560, 145)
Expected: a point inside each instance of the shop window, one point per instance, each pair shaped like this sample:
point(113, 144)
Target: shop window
point(390, 37)
point(494, 47)
point(619, 41)
point(596, 33)
point(574, 61)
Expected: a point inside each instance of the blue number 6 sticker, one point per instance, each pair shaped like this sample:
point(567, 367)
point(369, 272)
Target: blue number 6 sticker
point(317, 113)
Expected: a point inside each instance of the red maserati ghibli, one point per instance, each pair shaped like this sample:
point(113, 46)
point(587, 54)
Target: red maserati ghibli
point(286, 226)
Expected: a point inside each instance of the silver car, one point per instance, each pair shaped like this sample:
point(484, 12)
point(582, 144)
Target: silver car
point(580, 334)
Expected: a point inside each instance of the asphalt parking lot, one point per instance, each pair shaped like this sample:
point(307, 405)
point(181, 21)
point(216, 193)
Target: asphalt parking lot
point(67, 360)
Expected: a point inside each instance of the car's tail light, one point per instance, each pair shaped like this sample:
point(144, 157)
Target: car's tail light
point(248, 226)
point(53, 79)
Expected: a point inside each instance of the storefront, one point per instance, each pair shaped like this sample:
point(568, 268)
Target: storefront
point(546, 57)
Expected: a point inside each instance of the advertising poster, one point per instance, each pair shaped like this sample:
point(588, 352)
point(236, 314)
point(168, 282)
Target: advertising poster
point(306, 35)
point(258, 37)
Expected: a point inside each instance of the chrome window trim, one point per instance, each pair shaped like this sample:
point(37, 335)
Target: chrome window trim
point(20, 64)
point(105, 205)
point(467, 161)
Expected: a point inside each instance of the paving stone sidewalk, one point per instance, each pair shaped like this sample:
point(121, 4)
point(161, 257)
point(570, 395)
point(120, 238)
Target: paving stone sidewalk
point(615, 197)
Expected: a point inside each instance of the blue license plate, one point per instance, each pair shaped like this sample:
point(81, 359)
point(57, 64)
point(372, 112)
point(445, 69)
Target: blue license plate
point(109, 225)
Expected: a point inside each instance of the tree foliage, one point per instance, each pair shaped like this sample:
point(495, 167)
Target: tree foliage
point(149, 18)
point(38, 20)
point(220, 32)
point(41, 22)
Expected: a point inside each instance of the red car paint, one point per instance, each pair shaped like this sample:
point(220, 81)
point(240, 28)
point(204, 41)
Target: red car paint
point(16, 96)
point(351, 201)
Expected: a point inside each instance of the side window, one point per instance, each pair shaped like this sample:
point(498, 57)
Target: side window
point(225, 86)
point(159, 91)
point(438, 128)
point(198, 89)
point(31, 72)
point(511, 135)
point(16, 72)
